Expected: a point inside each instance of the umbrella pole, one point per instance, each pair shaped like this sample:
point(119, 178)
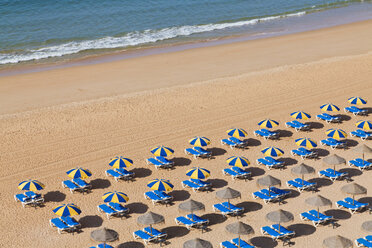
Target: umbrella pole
point(279, 227)
point(151, 230)
point(228, 202)
point(239, 242)
point(192, 216)
point(302, 179)
point(334, 169)
point(353, 199)
point(269, 191)
point(318, 212)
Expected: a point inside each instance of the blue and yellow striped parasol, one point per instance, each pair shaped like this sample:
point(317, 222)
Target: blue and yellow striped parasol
point(115, 196)
point(160, 184)
point(329, 107)
point(357, 100)
point(69, 209)
point(336, 133)
point(306, 142)
point(31, 185)
point(79, 172)
point(238, 161)
point(162, 151)
point(120, 162)
point(300, 115)
point(366, 125)
point(268, 123)
point(199, 141)
point(198, 173)
point(237, 132)
point(272, 151)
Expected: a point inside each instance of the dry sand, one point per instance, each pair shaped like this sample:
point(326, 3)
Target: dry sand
point(167, 99)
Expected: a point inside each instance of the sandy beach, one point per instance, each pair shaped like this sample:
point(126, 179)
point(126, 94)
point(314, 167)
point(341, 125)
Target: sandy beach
point(54, 120)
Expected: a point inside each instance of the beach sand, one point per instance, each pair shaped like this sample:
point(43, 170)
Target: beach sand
point(82, 116)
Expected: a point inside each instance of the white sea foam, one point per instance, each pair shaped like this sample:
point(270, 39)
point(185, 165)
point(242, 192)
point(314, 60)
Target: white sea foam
point(130, 39)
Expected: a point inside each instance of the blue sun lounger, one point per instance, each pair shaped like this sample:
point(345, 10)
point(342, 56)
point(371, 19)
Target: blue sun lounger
point(222, 209)
point(355, 110)
point(71, 222)
point(280, 192)
point(270, 162)
point(82, 184)
point(242, 173)
point(160, 162)
point(194, 186)
point(232, 207)
point(332, 174)
point(198, 152)
point(155, 233)
point(164, 196)
point(298, 126)
point(116, 175)
point(144, 236)
point(197, 219)
point(109, 211)
point(205, 153)
point(301, 185)
point(165, 161)
point(61, 226)
point(120, 209)
point(236, 172)
point(284, 231)
point(328, 118)
point(234, 143)
point(360, 164)
point(23, 199)
point(266, 134)
point(304, 153)
point(265, 197)
point(206, 185)
point(267, 230)
point(321, 216)
point(227, 244)
point(150, 195)
point(181, 220)
point(243, 244)
point(71, 186)
point(102, 246)
point(331, 142)
point(361, 134)
point(348, 204)
point(315, 217)
point(364, 242)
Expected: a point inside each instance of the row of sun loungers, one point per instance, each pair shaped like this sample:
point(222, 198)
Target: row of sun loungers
point(192, 221)
point(234, 143)
point(266, 134)
point(29, 198)
point(277, 233)
point(196, 185)
point(298, 126)
point(149, 235)
point(270, 162)
point(316, 217)
point(77, 184)
point(113, 209)
point(328, 118)
point(361, 134)
point(227, 208)
point(352, 206)
point(273, 195)
point(333, 175)
point(198, 152)
point(301, 185)
point(355, 110)
point(157, 196)
point(364, 242)
point(160, 162)
point(236, 172)
point(234, 243)
point(360, 163)
point(65, 224)
point(331, 142)
point(304, 153)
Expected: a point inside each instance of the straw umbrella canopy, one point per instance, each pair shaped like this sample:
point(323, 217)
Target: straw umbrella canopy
point(302, 169)
point(268, 181)
point(363, 149)
point(239, 228)
point(279, 216)
point(334, 160)
point(228, 193)
point(150, 218)
point(104, 235)
point(318, 201)
point(191, 206)
point(197, 243)
point(353, 189)
point(367, 226)
point(337, 242)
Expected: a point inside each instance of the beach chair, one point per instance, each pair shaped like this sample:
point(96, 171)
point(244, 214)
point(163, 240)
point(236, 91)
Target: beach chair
point(331, 142)
point(60, 225)
point(364, 242)
point(160, 163)
point(280, 192)
point(195, 187)
point(237, 210)
point(83, 185)
point(205, 185)
point(166, 162)
point(230, 172)
point(227, 244)
point(228, 142)
point(197, 219)
point(323, 217)
point(267, 230)
point(103, 208)
point(222, 209)
point(263, 161)
point(302, 154)
point(71, 186)
point(120, 209)
point(243, 244)
point(355, 110)
point(164, 196)
point(356, 203)
point(126, 175)
point(36, 199)
point(360, 164)
point(348, 204)
point(23, 199)
point(147, 238)
point(194, 153)
point(361, 134)
point(328, 118)
point(181, 220)
point(150, 195)
point(71, 222)
point(301, 185)
point(154, 161)
point(266, 134)
point(266, 198)
point(275, 163)
point(298, 126)
point(116, 175)
point(239, 143)
point(332, 174)
point(282, 230)
point(242, 173)
point(155, 233)
point(204, 152)
point(102, 246)
point(307, 216)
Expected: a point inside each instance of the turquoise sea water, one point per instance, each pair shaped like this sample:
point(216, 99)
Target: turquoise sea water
point(39, 29)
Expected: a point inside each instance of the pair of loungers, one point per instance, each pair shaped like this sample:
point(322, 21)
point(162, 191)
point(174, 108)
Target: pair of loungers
point(273, 195)
point(226, 208)
point(65, 224)
point(266, 134)
point(157, 196)
point(113, 209)
point(360, 163)
point(120, 174)
point(355, 110)
point(149, 234)
point(331, 142)
point(234, 143)
point(316, 217)
point(198, 152)
point(77, 184)
point(234, 243)
point(328, 118)
point(301, 185)
point(304, 153)
point(364, 242)
point(29, 198)
point(196, 185)
point(270, 162)
point(352, 206)
point(192, 221)
point(361, 134)
point(236, 172)
point(333, 175)
point(160, 162)
point(277, 232)
point(298, 126)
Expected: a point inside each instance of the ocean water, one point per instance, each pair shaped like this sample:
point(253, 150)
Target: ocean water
point(34, 30)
